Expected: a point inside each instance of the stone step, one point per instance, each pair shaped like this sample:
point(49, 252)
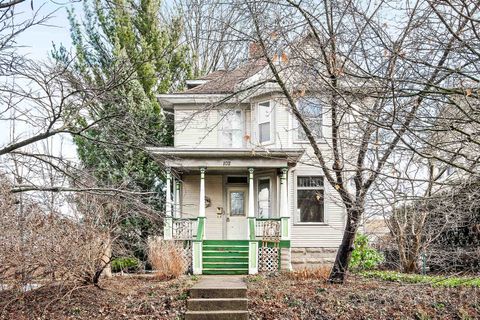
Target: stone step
point(215, 304)
point(218, 293)
point(216, 315)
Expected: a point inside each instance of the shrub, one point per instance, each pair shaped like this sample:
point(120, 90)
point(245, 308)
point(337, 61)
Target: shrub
point(320, 273)
point(167, 258)
point(364, 257)
point(125, 264)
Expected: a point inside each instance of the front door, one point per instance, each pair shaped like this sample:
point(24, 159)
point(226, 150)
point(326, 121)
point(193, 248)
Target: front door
point(237, 212)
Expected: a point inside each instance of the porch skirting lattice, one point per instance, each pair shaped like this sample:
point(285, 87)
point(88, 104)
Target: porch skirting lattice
point(269, 257)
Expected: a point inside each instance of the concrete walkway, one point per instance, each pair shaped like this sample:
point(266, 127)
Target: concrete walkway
point(218, 298)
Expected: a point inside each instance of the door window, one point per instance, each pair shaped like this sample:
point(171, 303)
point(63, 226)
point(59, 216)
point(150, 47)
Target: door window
point(237, 203)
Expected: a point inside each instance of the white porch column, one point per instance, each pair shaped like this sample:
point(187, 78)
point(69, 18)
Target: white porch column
point(168, 223)
point(197, 252)
point(252, 245)
point(251, 194)
point(251, 206)
point(284, 209)
point(201, 204)
point(177, 199)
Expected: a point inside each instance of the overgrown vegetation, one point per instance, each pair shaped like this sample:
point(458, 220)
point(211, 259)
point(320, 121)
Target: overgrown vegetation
point(441, 281)
point(364, 257)
point(359, 298)
point(167, 258)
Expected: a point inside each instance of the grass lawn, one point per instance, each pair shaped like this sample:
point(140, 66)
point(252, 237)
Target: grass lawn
point(362, 297)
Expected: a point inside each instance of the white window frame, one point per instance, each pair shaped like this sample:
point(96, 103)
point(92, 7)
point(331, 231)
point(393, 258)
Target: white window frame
point(220, 131)
point(296, 124)
point(295, 198)
point(272, 122)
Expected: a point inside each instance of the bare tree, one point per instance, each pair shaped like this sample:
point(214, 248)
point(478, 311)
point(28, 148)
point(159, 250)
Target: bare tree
point(383, 90)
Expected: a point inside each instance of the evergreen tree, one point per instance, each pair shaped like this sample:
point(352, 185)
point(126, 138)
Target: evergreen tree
point(125, 42)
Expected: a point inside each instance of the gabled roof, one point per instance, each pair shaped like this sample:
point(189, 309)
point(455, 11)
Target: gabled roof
point(221, 82)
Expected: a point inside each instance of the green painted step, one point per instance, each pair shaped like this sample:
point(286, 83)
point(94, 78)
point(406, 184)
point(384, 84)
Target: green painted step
point(226, 259)
point(221, 265)
point(226, 242)
point(225, 254)
point(224, 248)
point(226, 271)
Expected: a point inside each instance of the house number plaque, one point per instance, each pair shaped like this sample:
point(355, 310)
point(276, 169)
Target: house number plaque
point(226, 163)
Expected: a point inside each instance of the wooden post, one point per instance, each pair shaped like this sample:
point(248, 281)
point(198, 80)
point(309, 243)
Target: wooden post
point(251, 206)
point(168, 223)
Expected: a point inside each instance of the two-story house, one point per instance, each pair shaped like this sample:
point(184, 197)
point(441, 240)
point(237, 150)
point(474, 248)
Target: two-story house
point(241, 171)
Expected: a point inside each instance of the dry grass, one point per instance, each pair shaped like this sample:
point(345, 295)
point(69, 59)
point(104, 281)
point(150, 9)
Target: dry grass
point(320, 273)
point(167, 258)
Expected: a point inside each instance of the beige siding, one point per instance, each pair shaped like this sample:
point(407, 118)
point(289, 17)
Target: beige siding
point(324, 235)
point(199, 129)
point(190, 199)
point(196, 129)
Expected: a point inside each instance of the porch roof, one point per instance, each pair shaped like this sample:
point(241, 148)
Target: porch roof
point(191, 158)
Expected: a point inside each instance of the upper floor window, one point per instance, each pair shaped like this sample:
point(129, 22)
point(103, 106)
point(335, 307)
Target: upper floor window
point(310, 199)
point(311, 110)
point(231, 128)
point(265, 122)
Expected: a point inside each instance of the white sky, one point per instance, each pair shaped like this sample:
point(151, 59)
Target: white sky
point(36, 43)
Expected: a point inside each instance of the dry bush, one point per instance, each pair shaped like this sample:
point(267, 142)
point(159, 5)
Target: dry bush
point(40, 247)
point(167, 258)
point(320, 273)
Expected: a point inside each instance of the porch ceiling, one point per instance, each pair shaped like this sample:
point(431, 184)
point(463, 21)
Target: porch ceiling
point(226, 159)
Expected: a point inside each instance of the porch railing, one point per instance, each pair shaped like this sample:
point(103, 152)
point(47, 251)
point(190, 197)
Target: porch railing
point(184, 228)
point(274, 223)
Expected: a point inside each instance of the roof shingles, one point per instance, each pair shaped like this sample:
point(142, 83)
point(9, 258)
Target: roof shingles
point(226, 81)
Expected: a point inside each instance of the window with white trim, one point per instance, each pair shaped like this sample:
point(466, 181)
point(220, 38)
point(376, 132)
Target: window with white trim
point(231, 128)
point(265, 122)
point(310, 199)
point(264, 195)
point(312, 112)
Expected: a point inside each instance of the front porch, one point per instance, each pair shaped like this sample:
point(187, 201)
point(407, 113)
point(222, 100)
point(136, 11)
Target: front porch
point(231, 211)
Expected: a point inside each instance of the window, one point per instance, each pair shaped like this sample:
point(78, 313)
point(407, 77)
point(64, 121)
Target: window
point(263, 210)
point(231, 128)
point(310, 199)
point(311, 110)
point(264, 122)
point(237, 203)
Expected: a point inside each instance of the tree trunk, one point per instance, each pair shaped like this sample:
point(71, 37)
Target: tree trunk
point(344, 253)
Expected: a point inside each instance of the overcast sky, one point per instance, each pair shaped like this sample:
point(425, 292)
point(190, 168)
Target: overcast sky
point(37, 43)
